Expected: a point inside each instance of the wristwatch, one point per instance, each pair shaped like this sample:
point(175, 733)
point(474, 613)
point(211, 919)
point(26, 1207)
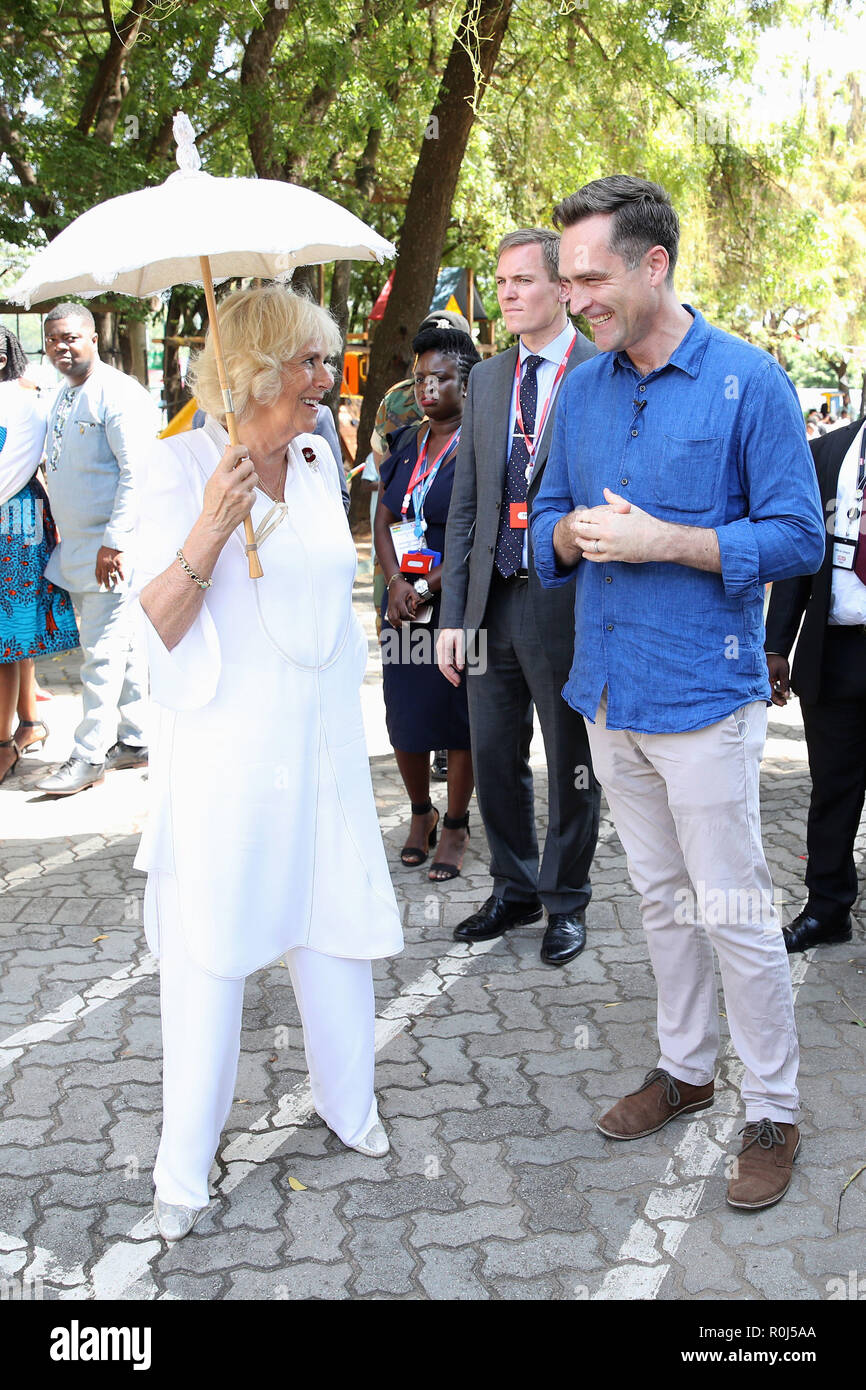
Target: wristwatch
point(422, 589)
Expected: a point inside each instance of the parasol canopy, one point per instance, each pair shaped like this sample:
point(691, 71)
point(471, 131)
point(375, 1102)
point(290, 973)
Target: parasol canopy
point(144, 242)
point(197, 229)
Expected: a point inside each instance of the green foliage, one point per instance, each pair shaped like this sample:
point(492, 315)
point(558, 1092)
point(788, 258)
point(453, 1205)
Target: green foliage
point(774, 220)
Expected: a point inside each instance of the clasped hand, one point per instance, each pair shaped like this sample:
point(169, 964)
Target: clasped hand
point(403, 600)
point(616, 530)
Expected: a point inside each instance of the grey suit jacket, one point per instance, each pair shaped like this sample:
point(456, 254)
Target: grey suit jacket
point(476, 504)
point(112, 424)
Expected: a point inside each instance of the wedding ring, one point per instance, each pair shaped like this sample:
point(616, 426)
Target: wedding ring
point(597, 547)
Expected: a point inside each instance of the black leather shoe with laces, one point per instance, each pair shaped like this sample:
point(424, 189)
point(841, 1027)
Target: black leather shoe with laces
point(497, 916)
point(806, 930)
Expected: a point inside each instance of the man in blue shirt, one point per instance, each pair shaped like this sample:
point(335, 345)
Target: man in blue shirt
point(679, 482)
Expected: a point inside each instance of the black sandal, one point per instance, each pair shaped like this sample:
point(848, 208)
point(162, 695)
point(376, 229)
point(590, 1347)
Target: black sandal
point(9, 743)
point(450, 823)
point(419, 856)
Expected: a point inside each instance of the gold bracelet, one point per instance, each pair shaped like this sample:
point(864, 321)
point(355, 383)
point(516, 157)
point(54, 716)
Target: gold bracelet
point(398, 574)
point(202, 583)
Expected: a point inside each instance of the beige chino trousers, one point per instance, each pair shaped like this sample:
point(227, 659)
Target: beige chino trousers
point(686, 808)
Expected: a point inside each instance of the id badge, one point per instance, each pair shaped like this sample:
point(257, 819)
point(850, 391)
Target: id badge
point(420, 561)
point(843, 554)
point(517, 515)
point(404, 538)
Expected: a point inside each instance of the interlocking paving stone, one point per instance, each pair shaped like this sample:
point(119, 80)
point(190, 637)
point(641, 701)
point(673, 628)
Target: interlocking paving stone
point(497, 1186)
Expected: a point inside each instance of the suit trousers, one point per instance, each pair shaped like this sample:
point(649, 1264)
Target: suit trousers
point(113, 675)
point(686, 808)
point(201, 1037)
point(835, 729)
point(517, 676)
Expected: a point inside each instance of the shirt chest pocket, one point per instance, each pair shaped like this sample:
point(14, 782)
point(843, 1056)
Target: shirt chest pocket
point(86, 439)
point(687, 475)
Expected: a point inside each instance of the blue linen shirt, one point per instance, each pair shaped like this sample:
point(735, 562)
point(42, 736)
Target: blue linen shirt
point(713, 438)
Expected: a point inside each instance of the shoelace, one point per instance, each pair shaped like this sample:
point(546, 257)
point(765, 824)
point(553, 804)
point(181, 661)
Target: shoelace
point(672, 1095)
point(762, 1132)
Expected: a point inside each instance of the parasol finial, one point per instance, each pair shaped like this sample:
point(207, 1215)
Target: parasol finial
point(188, 157)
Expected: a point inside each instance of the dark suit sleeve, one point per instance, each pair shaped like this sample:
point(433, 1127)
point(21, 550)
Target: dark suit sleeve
point(790, 597)
point(328, 430)
point(461, 522)
point(788, 601)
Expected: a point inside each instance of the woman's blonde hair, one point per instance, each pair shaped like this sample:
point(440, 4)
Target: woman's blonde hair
point(261, 330)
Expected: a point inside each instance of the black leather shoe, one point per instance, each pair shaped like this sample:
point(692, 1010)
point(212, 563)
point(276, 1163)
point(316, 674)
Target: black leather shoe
point(565, 937)
point(496, 916)
point(74, 775)
point(122, 755)
point(806, 931)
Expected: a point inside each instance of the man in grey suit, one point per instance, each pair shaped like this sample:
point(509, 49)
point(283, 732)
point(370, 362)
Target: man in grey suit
point(100, 422)
point(490, 587)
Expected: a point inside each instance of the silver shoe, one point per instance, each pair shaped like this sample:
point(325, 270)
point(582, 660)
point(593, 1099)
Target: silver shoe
point(174, 1222)
point(374, 1144)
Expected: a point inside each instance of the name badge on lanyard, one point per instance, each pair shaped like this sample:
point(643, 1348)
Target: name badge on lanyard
point(416, 488)
point(532, 444)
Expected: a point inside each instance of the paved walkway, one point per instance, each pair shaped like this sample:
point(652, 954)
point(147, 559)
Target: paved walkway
point(491, 1070)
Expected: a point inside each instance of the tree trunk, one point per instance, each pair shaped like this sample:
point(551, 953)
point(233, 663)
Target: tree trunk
point(255, 74)
point(105, 330)
point(429, 206)
point(132, 341)
point(305, 280)
point(339, 307)
point(107, 91)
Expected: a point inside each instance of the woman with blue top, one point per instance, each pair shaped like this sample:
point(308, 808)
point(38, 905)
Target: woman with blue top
point(36, 617)
point(423, 711)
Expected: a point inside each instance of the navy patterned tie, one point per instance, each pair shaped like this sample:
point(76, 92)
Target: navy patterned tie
point(508, 556)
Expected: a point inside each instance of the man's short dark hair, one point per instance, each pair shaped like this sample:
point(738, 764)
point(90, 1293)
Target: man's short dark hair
point(642, 216)
point(68, 310)
point(535, 236)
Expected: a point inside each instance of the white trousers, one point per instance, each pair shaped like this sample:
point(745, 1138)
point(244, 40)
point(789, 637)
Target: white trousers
point(201, 1037)
point(686, 808)
point(113, 676)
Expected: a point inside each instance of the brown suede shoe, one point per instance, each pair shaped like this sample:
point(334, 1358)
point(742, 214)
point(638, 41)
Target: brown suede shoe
point(649, 1108)
point(762, 1169)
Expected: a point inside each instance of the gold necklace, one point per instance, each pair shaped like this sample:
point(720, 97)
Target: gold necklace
point(280, 485)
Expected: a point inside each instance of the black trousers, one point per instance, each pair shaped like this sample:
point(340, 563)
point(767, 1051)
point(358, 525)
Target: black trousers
point(835, 729)
point(519, 675)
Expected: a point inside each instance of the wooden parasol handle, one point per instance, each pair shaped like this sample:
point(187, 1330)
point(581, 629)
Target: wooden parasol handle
point(255, 563)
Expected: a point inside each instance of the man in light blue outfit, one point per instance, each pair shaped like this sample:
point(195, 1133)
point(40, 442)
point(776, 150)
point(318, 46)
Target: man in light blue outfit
point(99, 424)
point(679, 483)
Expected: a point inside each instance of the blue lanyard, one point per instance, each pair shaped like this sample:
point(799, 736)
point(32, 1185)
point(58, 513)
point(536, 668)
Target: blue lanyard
point(419, 493)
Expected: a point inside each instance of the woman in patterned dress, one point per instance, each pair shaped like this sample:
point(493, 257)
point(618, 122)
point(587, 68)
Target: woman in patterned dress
point(36, 618)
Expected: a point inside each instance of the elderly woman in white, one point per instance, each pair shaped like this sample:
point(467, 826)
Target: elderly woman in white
point(263, 840)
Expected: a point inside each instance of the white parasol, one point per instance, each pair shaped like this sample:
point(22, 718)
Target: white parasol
point(197, 229)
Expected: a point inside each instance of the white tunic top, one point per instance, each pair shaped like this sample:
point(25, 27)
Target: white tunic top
point(262, 804)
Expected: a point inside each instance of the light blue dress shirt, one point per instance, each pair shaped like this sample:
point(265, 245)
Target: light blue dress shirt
point(713, 438)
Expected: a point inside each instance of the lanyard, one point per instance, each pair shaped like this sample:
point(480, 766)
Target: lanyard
point(518, 420)
point(420, 475)
point(855, 509)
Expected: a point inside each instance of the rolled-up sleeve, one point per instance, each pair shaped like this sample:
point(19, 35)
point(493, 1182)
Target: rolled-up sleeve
point(554, 501)
point(166, 507)
point(783, 534)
